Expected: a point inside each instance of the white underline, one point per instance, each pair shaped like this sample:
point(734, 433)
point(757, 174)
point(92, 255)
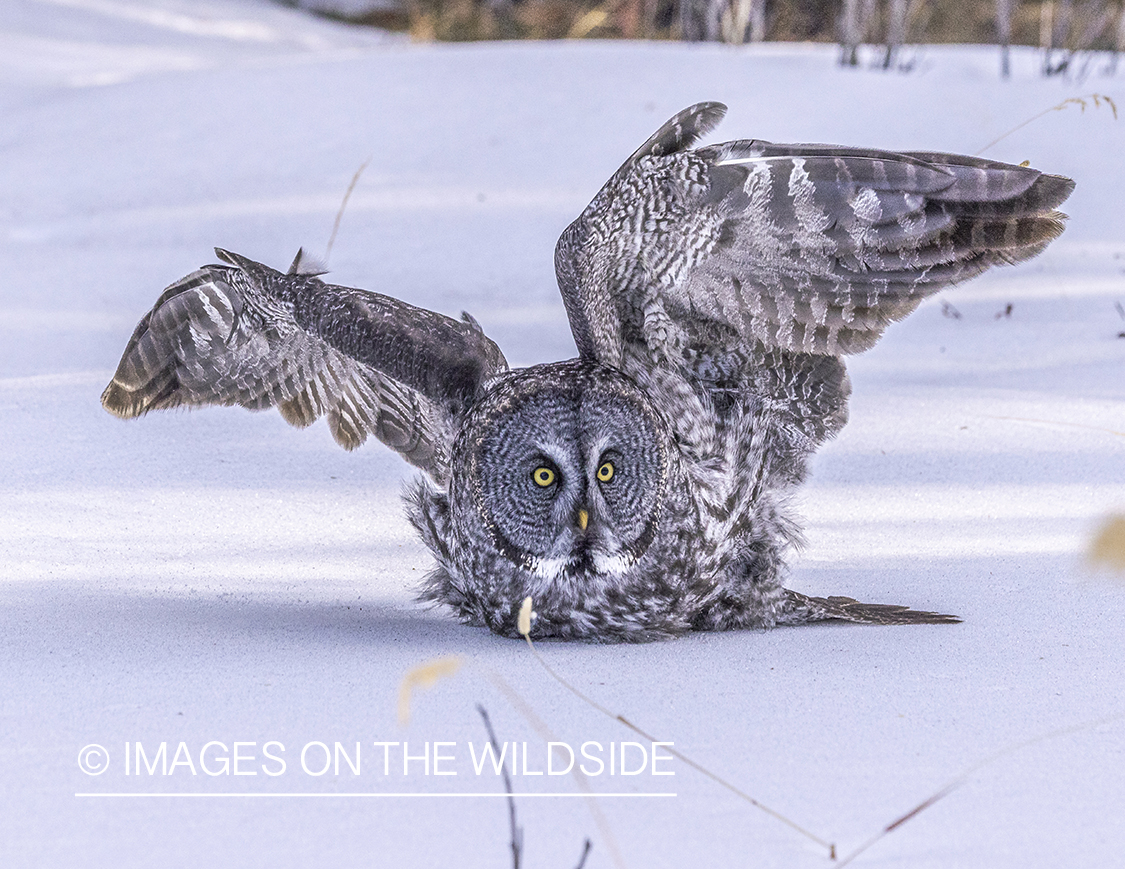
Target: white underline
point(382, 795)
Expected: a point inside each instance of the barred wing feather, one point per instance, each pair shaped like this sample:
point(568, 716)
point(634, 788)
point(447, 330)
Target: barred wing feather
point(801, 248)
point(244, 334)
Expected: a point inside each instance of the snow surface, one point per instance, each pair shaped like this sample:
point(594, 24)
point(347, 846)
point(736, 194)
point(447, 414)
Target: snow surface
point(219, 576)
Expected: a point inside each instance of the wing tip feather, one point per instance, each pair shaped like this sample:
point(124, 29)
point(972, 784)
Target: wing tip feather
point(121, 403)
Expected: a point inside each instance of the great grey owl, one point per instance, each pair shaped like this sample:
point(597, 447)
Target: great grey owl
point(638, 491)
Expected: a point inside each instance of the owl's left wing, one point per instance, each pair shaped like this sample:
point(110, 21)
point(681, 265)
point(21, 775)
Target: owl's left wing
point(806, 249)
point(245, 334)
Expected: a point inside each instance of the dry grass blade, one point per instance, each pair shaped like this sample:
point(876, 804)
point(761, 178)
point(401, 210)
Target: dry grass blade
point(963, 777)
point(343, 206)
point(524, 626)
point(1096, 99)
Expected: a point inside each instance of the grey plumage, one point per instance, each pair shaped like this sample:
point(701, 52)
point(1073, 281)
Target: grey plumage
point(638, 491)
point(243, 333)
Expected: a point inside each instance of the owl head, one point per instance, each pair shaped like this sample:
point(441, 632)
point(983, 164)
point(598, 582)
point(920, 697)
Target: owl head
point(560, 475)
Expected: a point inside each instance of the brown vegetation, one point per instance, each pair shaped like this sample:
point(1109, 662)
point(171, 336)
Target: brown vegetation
point(1072, 24)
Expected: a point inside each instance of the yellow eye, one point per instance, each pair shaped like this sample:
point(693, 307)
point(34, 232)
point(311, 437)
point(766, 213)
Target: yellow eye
point(605, 472)
point(543, 477)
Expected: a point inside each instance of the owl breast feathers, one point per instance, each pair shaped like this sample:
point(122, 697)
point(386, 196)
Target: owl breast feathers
point(638, 491)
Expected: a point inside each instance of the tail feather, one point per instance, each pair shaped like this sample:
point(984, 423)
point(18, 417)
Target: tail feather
point(817, 609)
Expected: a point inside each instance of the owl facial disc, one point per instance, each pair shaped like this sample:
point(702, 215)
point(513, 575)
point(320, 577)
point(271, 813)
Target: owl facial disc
point(568, 476)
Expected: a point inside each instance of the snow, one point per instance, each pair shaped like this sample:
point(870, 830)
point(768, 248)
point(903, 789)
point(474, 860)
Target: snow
point(219, 576)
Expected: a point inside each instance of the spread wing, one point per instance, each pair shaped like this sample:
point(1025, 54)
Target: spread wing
point(245, 334)
point(806, 249)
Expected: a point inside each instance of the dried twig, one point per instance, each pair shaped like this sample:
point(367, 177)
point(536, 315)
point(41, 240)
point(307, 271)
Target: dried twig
point(517, 830)
point(427, 674)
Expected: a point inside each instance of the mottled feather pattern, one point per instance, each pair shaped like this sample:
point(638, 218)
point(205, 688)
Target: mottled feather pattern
point(245, 334)
point(643, 489)
point(803, 248)
point(679, 132)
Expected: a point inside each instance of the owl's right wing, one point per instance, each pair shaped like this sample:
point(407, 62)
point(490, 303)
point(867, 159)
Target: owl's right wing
point(245, 334)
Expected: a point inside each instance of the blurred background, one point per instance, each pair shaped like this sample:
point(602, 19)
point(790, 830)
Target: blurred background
point(1063, 27)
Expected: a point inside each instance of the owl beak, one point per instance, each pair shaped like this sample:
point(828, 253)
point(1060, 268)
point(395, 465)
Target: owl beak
point(583, 519)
